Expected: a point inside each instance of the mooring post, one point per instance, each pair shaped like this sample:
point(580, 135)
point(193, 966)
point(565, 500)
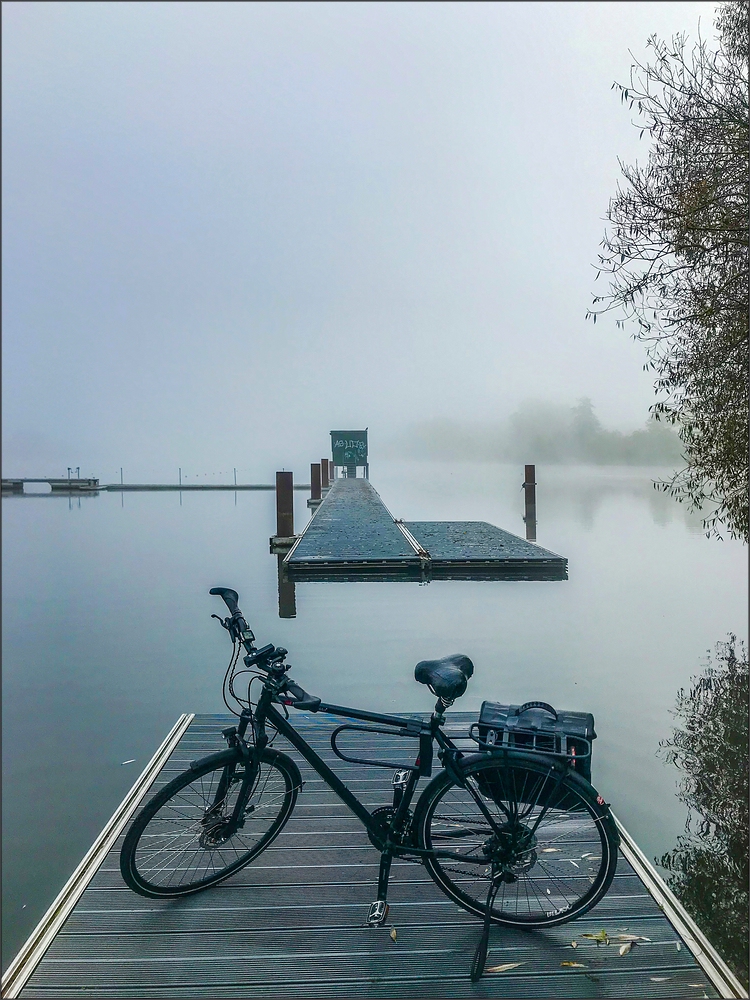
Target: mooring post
point(529, 488)
point(315, 481)
point(324, 482)
point(284, 504)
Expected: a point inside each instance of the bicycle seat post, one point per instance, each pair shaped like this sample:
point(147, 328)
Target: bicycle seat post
point(438, 714)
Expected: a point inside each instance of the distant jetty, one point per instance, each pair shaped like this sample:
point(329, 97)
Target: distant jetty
point(65, 486)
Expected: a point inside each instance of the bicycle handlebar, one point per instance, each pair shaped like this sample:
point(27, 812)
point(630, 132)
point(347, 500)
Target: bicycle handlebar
point(228, 596)
point(239, 626)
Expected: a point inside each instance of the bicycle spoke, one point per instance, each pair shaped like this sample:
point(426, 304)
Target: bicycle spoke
point(192, 837)
point(537, 840)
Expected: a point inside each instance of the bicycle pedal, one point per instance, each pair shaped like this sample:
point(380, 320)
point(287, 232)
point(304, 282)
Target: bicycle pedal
point(378, 913)
point(401, 778)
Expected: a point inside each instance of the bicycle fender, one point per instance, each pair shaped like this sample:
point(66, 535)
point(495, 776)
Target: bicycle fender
point(220, 757)
point(584, 786)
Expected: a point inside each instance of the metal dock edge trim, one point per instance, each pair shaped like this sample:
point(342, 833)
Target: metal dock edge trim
point(21, 968)
point(420, 551)
point(290, 553)
point(712, 964)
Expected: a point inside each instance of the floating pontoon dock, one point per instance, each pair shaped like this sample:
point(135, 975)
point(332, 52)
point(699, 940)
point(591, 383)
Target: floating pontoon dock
point(352, 535)
point(291, 924)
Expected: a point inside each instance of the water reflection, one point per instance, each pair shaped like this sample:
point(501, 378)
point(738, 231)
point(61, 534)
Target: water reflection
point(708, 869)
point(585, 494)
point(287, 596)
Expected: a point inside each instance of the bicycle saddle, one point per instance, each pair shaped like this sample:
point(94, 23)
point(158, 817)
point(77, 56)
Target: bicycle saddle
point(447, 678)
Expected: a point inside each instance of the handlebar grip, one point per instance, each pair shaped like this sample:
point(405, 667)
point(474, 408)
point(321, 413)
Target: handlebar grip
point(302, 700)
point(229, 596)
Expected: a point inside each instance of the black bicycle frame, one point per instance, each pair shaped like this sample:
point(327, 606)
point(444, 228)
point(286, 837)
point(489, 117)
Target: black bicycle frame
point(266, 710)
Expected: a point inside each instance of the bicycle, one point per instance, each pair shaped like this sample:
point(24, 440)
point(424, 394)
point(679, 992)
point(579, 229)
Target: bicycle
point(516, 837)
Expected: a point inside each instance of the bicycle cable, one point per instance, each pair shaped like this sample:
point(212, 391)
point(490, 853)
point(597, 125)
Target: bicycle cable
point(226, 684)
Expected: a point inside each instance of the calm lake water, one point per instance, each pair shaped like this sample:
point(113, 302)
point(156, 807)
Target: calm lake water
point(107, 636)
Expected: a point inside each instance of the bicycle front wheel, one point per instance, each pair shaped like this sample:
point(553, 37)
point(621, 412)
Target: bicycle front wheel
point(551, 844)
point(184, 839)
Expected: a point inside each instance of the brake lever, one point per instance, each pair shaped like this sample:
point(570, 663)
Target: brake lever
point(222, 621)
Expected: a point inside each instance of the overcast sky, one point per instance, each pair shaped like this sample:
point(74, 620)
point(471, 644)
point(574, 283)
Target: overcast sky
point(232, 227)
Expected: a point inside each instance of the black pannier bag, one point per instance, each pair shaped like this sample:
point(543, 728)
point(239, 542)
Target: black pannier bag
point(535, 726)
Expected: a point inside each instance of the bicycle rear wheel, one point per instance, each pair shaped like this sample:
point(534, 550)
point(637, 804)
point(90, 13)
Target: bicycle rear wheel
point(182, 840)
point(553, 846)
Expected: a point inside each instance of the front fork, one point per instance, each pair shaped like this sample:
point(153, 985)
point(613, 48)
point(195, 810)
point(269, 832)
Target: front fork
point(234, 736)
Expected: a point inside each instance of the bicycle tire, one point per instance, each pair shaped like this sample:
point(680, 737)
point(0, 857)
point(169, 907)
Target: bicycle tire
point(174, 846)
point(551, 875)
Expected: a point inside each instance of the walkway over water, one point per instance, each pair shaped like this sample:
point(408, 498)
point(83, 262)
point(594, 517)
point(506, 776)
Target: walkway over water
point(291, 924)
point(353, 533)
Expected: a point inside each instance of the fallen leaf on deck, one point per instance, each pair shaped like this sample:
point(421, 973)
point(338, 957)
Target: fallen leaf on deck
point(678, 946)
point(573, 965)
point(573, 944)
point(551, 850)
point(505, 968)
point(394, 935)
point(601, 937)
point(659, 979)
point(629, 937)
point(626, 948)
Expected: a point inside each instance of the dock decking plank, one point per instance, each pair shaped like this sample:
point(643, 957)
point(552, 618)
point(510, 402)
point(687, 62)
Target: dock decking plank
point(352, 523)
point(291, 923)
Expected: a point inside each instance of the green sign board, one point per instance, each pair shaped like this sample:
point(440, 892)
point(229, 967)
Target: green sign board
point(349, 447)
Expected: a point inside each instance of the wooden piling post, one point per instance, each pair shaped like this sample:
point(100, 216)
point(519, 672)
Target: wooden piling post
point(529, 488)
point(324, 482)
point(284, 504)
point(315, 481)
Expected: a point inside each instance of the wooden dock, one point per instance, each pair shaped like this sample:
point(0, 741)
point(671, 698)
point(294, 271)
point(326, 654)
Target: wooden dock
point(15, 487)
point(353, 535)
point(291, 924)
point(191, 487)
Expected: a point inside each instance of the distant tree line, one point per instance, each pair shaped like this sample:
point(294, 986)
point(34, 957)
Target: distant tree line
point(542, 433)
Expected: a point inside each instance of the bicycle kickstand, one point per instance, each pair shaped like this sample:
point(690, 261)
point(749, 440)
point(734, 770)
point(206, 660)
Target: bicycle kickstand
point(480, 955)
point(378, 912)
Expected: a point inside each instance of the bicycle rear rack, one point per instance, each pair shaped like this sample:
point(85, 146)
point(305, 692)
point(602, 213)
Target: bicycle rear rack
point(534, 741)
